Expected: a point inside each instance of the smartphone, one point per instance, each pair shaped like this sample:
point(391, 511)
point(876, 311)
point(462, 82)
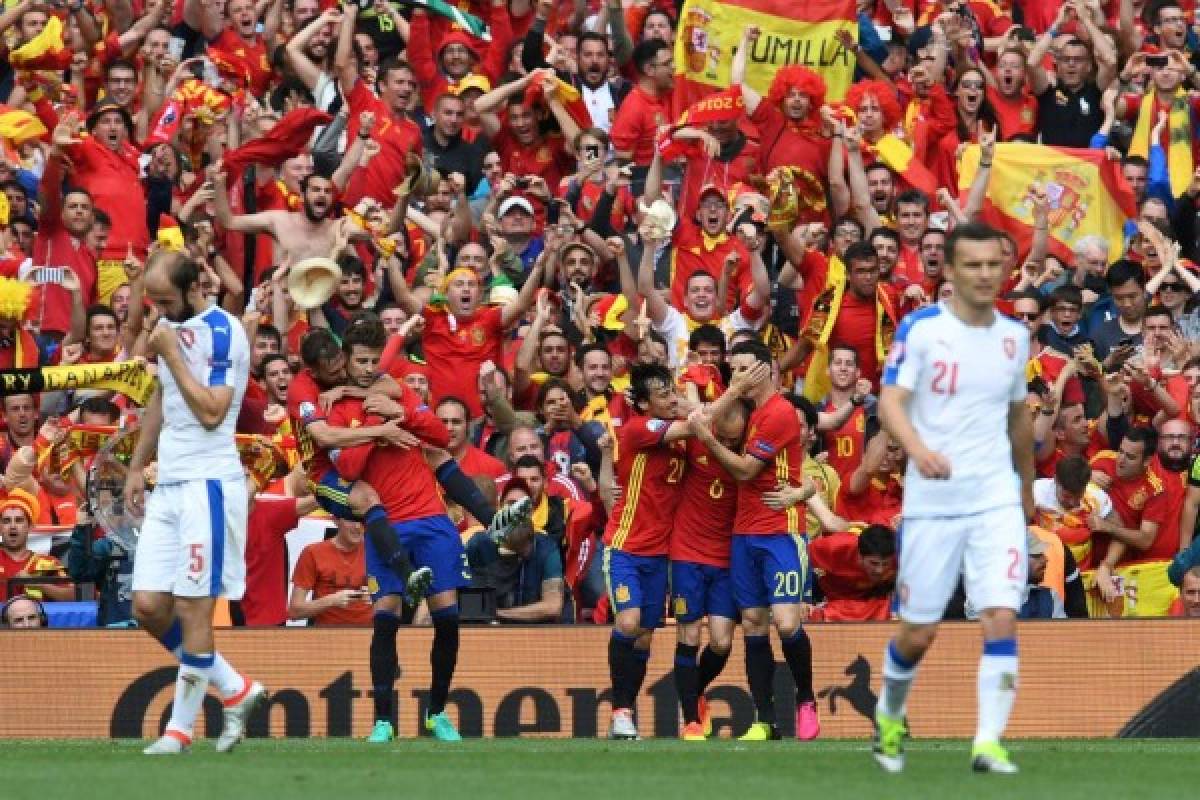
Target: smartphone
point(591, 153)
point(47, 275)
point(175, 48)
point(197, 69)
point(1126, 341)
point(553, 211)
point(1156, 61)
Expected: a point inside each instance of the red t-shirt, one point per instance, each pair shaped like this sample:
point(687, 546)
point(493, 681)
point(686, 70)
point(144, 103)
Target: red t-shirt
point(304, 408)
point(1166, 544)
point(706, 510)
point(405, 483)
point(113, 179)
point(690, 255)
point(623, 207)
point(34, 564)
point(271, 519)
point(324, 568)
point(250, 59)
point(773, 435)
point(855, 326)
point(547, 157)
point(879, 504)
point(455, 350)
point(635, 127)
point(1143, 499)
point(475, 462)
point(785, 144)
point(839, 568)
point(54, 247)
point(649, 473)
point(397, 137)
point(844, 446)
point(724, 174)
point(1016, 116)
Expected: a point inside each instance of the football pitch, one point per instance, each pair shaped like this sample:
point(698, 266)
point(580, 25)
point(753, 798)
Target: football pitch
point(577, 769)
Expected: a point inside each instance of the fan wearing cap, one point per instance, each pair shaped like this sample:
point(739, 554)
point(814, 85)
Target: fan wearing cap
point(458, 53)
point(470, 89)
point(444, 140)
point(789, 123)
point(460, 332)
point(234, 44)
point(525, 145)
point(702, 243)
point(395, 132)
point(18, 511)
point(517, 247)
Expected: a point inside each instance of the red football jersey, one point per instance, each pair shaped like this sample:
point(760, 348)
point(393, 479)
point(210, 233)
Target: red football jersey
point(773, 435)
point(844, 446)
point(707, 507)
point(649, 473)
point(304, 408)
point(879, 504)
point(405, 483)
point(1142, 499)
point(454, 352)
point(840, 571)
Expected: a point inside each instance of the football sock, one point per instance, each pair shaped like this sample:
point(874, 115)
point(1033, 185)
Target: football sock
point(711, 665)
point(898, 676)
point(386, 542)
point(687, 681)
point(997, 686)
point(385, 663)
point(620, 669)
point(463, 491)
point(637, 674)
point(222, 675)
point(760, 674)
point(443, 656)
point(797, 651)
point(191, 684)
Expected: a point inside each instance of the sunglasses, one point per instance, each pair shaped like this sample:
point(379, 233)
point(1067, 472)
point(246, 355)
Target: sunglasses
point(971, 85)
point(1171, 287)
point(1028, 316)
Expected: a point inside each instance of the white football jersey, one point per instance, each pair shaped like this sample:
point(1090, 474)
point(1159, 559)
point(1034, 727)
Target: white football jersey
point(216, 351)
point(963, 380)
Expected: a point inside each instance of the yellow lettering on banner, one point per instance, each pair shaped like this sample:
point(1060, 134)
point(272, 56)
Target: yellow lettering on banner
point(127, 377)
point(711, 30)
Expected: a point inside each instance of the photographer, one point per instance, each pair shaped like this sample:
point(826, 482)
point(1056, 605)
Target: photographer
point(93, 557)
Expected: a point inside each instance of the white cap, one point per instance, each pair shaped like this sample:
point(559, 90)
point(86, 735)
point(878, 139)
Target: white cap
point(515, 202)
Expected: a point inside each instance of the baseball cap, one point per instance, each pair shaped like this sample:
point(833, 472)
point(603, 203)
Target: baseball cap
point(712, 188)
point(515, 203)
point(472, 81)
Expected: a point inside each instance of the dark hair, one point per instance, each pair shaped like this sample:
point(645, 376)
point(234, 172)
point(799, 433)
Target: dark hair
point(1122, 272)
point(352, 265)
point(556, 383)
point(529, 462)
point(755, 348)
point(1073, 473)
point(1157, 310)
point(843, 346)
point(643, 376)
point(98, 310)
point(886, 233)
point(707, 334)
point(1135, 161)
point(646, 52)
point(101, 405)
point(365, 330)
point(877, 540)
point(100, 217)
point(120, 63)
point(927, 231)
point(1067, 293)
point(1147, 436)
point(805, 407)
point(860, 251)
point(849, 220)
point(269, 331)
point(454, 401)
point(182, 272)
point(879, 165)
point(970, 232)
point(271, 358)
point(590, 347)
point(591, 36)
point(389, 65)
point(318, 345)
point(913, 197)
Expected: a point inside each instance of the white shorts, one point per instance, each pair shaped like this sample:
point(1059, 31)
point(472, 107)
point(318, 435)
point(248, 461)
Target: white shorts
point(986, 549)
point(193, 540)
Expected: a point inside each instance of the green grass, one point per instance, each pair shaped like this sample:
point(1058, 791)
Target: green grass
point(576, 769)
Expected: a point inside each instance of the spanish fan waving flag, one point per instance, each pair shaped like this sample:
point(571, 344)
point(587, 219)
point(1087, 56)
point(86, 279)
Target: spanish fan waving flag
point(47, 50)
point(1088, 195)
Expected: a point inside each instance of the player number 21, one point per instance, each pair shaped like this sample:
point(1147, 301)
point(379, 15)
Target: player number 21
point(945, 377)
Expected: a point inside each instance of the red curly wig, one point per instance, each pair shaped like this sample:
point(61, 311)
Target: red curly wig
point(883, 94)
point(803, 79)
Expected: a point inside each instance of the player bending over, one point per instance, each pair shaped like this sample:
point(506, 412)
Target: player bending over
point(954, 398)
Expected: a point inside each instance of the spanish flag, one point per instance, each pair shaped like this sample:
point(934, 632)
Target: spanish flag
point(1088, 195)
point(16, 128)
point(44, 51)
point(792, 33)
point(897, 155)
point(566, 94)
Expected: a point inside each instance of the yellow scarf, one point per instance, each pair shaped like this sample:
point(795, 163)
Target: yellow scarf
point(826, 308)
point(1179, 147)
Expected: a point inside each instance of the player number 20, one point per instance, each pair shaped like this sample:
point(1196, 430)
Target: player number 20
point(787, 584)
point(945, 377)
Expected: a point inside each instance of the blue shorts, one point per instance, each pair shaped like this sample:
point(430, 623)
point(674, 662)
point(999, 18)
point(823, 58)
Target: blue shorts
point(431, 542)
point(637, 582)
point(333, 495)
point(769, 569)
point(699, 590)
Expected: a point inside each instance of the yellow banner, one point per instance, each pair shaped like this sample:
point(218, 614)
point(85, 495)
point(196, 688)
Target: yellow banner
point(792, 33)
point(130, 378)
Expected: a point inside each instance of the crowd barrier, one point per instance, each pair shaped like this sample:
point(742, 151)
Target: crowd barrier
point(1100, 678)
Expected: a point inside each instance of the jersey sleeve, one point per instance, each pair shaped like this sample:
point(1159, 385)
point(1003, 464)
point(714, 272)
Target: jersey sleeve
point(641, 433)
point(230, 354)
point(1019, 389)
point(772, 433)
point(305, 575)
point(303, 404)
point(903, 366)
point(422, 422)
point(1157, 509)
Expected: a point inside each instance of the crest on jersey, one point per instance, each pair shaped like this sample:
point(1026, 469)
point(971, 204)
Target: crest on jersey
point(1010, 346)
point(187, 337)
point(478, 336)
point(622, 594)
point(307, 410)
point(680, 606)
point(656, 425)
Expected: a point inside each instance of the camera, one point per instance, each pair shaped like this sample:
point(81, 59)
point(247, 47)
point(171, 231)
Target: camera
point(521, 183)
point(1156, 61)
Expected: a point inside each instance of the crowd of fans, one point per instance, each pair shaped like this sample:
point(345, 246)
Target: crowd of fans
point(499, 204)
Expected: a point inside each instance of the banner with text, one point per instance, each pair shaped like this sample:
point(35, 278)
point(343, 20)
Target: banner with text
point(553, 681)
point(792, 33)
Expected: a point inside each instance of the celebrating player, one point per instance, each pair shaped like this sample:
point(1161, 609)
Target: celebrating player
point(650, 465)
point(769, 557)
point(193, 540)
point(700, 582)
point(954, 398)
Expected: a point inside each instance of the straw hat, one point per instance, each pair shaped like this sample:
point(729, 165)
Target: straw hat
point(313, 281)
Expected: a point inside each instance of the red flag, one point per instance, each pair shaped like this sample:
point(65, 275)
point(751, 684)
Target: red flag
point(722, 106)
point(287, 139)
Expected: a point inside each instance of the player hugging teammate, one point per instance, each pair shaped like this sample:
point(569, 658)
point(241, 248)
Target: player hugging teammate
point(741, 556)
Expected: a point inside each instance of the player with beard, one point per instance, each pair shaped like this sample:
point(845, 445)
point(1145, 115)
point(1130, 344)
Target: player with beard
point(297, 234)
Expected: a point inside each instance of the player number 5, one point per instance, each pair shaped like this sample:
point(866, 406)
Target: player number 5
point(945, 377)
point(196, 554)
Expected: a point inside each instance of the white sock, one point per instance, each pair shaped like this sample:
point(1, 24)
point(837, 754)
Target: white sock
point(191, 684)
point(225, 678)
point(997, 685)
point(898, 676)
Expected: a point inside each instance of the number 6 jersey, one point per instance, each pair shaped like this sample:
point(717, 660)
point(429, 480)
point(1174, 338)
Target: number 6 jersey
point(963, 380)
